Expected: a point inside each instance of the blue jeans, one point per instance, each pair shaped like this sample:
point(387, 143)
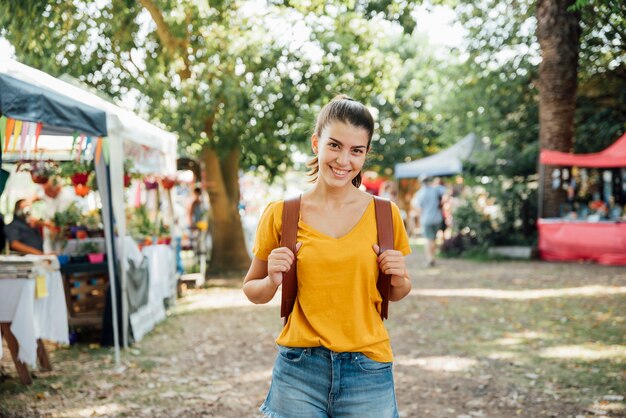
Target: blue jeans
point(316, 382)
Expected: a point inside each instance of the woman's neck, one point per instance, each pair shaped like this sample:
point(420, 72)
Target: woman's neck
point(324, 194)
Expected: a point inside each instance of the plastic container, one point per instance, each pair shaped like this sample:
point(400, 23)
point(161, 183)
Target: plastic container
point(95, 258)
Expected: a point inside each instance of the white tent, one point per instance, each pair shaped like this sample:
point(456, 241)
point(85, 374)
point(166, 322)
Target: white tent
point(444, 163)
point(125, 132)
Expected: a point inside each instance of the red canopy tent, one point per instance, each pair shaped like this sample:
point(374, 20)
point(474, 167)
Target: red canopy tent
point(603, 242)
point(613, 156)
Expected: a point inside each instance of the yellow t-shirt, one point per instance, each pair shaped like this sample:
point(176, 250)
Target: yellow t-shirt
point(338, 304)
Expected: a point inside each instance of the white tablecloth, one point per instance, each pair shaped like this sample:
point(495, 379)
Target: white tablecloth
point(162, 276)
point(34, 318)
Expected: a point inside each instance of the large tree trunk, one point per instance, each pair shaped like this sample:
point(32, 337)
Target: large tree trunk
point(558, 31)
point(228, 253)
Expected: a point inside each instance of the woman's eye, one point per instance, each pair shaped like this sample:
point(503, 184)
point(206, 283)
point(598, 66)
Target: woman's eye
point(333, 145)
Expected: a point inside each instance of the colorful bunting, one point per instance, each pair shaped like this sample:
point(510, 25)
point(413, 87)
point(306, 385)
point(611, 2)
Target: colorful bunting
point(17, 130)
point(3, 126)
point(25, 129)
point(37, 133)
point(98, 152)
point(7, 133)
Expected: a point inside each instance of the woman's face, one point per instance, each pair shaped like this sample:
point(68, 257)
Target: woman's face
point(341, 152)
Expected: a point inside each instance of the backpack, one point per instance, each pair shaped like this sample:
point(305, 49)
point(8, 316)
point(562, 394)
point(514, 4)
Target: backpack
point(291, 214)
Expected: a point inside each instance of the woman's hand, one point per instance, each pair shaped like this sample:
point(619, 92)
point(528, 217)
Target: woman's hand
point(280, 261)
point(392, 262)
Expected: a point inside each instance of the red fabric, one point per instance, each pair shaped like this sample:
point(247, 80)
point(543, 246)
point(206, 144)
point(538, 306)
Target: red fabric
point(373, 186)
point(613, 156)
point(604, 243)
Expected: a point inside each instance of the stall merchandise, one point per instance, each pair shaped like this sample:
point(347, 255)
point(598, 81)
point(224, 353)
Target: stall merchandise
point(595, 237)
point(128, 136)
point(32, 308)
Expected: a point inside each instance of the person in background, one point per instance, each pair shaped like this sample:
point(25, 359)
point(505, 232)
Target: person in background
point(195, 210)
point(24, 233)
point(428, 205)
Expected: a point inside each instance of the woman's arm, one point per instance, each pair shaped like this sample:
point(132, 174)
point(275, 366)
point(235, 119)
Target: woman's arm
point(16, 245)
point(257, 285)
point(264, 277)
point(392, 262)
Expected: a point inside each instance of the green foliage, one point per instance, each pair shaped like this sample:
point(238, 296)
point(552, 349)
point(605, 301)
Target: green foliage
point(89, 248)
point(68, 217)
point(69, 168)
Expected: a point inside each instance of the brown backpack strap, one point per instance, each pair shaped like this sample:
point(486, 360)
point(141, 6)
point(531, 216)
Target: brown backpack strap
point(288, 236)
point(384, 227)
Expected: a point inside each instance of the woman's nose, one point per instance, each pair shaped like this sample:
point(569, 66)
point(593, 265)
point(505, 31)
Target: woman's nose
point(343, 157)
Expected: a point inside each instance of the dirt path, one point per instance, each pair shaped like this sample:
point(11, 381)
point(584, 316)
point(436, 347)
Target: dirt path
point(504, 339)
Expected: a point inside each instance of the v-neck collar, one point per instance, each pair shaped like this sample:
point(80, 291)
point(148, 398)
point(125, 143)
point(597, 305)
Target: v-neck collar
point(364, 216)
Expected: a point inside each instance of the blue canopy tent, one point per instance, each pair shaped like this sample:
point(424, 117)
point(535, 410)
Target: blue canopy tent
point(65, 109)
point(444, 163)
point(59, 115)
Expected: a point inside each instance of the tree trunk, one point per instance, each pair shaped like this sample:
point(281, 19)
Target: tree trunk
point(228, 253)
point(558, 31)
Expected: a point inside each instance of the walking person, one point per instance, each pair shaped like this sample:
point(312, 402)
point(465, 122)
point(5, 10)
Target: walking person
point(428, 205)
point(334, 353)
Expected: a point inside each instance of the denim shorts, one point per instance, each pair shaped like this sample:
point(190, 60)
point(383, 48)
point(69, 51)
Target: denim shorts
point(317, 382)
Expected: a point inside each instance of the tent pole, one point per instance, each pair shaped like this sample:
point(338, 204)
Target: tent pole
point(109, 239)
point(542, 172)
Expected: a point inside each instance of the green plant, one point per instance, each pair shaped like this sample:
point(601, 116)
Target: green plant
point(68, 217)
point(89, 248)
point(92, 220)
point(139, 223)
point(69, 168)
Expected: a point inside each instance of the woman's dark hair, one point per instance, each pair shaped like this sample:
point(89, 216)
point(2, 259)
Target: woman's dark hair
point(347, 110)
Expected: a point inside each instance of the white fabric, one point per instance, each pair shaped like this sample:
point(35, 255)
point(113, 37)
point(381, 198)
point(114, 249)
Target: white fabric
point(131, 251)
point(33, 318)
point(162, 276)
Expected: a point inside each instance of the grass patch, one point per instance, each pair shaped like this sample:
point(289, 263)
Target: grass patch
point(574, 343)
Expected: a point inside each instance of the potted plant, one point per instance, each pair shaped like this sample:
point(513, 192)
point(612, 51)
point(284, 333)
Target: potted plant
point(168, 182)
point(93, 223)
point(41, 171)
point(92, 250)
point(151, 183)
point(65, 219)
point(164, 234)
point(77, 171)
point(129, 172)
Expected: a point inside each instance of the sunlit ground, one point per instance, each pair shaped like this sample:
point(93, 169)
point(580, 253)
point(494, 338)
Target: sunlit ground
point(531, 336)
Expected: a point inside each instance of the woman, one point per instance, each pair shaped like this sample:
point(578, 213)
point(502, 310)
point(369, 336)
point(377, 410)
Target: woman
point(335, 356)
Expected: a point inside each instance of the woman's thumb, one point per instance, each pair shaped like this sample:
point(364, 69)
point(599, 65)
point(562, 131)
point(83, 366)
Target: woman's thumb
point(376, 249)
point(298, 245)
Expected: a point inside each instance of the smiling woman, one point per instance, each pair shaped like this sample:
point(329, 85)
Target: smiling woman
point(334, 336)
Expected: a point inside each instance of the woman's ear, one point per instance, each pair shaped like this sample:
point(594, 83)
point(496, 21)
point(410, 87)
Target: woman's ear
point(314, 143)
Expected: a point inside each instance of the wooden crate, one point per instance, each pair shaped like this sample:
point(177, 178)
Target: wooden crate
point(85, 293)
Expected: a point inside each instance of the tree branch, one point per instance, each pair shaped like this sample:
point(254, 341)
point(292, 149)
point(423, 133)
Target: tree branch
point(173, 45)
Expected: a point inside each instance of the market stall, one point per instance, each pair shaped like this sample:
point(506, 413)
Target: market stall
point(592, 222)
point(123, 136)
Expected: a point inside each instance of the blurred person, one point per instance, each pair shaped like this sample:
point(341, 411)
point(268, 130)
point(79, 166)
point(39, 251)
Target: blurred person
point(195, 209)
point(23, 234)
point(427, 202)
